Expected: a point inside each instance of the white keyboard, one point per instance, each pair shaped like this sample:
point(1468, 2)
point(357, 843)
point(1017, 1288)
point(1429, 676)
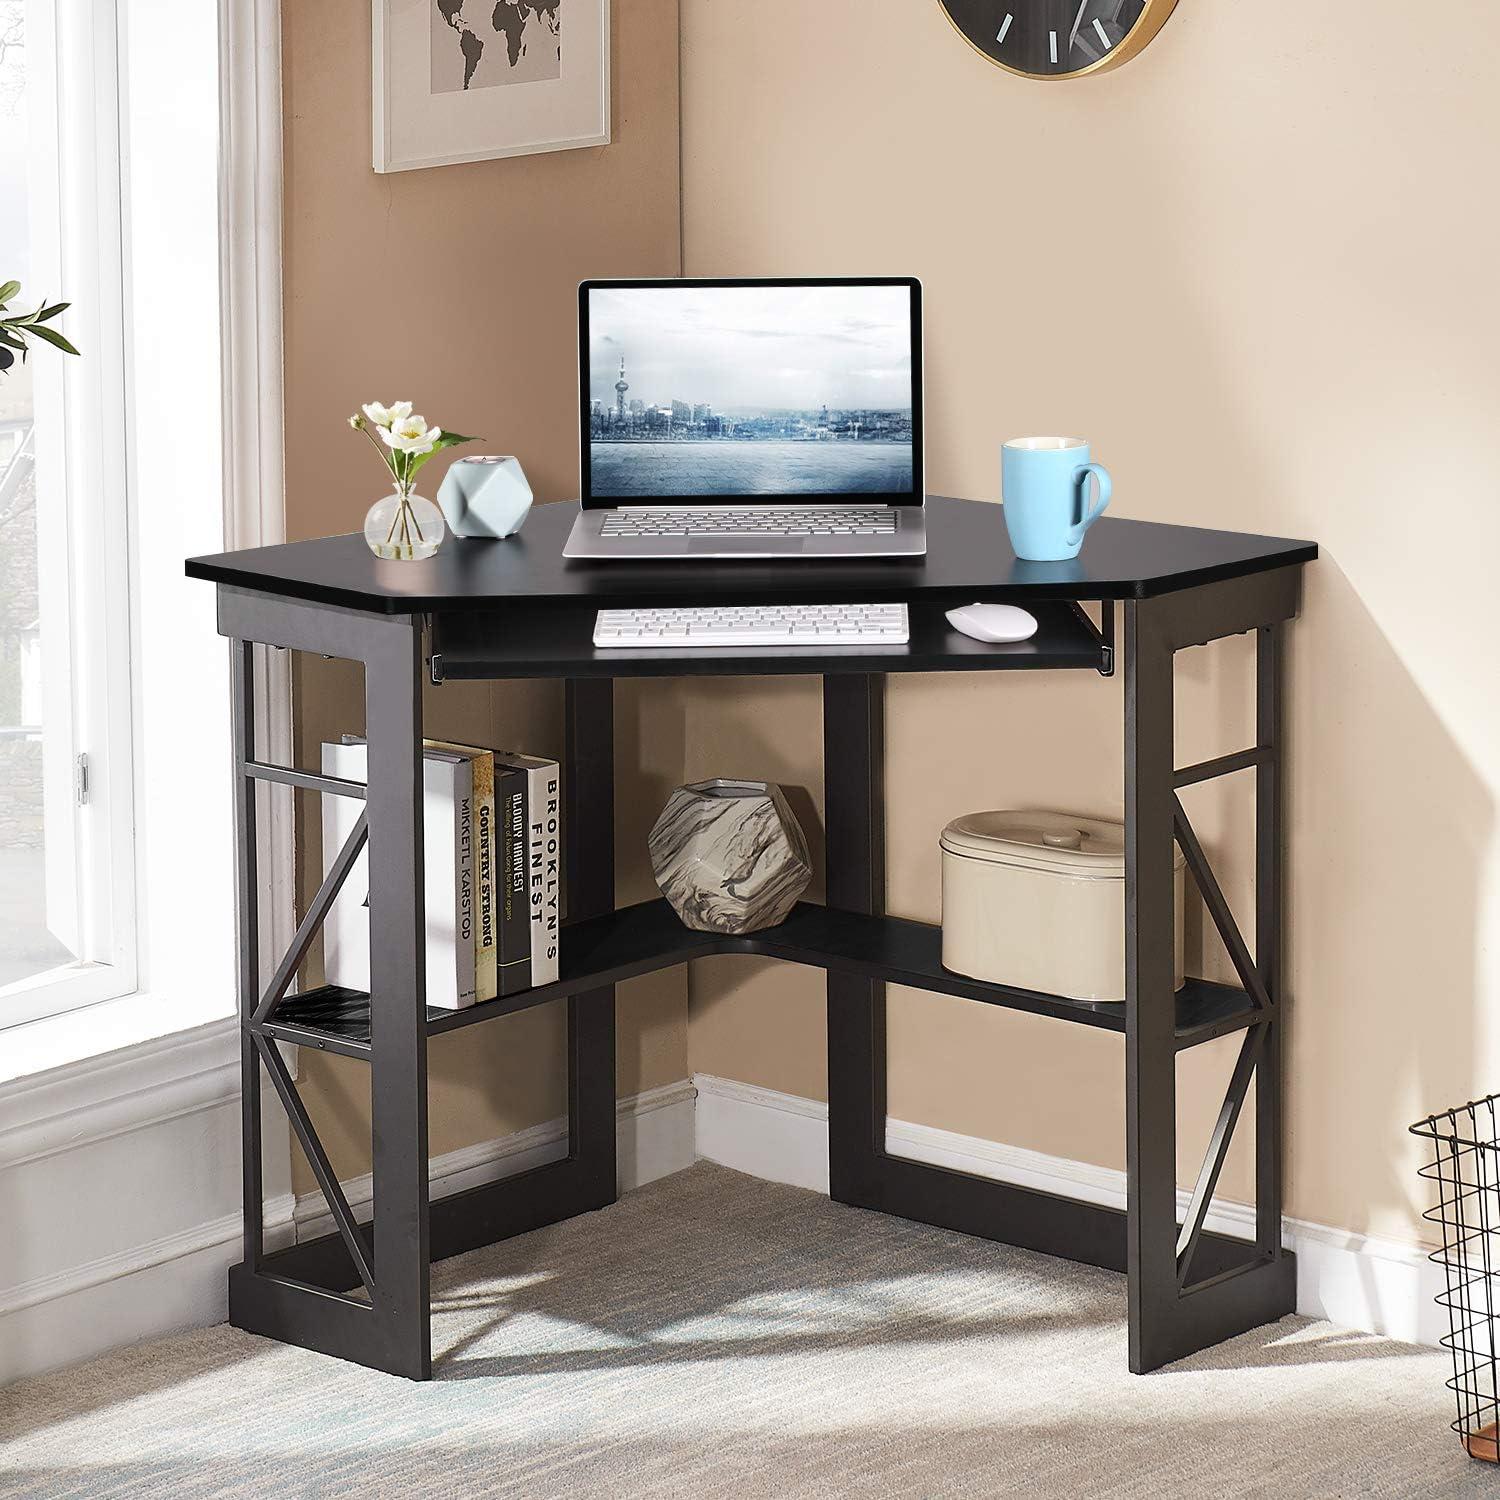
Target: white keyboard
point(758, 521)
point(755, 625)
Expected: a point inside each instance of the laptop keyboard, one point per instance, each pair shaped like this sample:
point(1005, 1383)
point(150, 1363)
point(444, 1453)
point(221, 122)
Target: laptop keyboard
point(770, 521)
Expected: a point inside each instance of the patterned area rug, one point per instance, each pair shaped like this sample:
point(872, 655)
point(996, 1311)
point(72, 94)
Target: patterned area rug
point(714, 1335)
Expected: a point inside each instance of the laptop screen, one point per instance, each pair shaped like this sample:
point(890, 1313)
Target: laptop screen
point(751, 391)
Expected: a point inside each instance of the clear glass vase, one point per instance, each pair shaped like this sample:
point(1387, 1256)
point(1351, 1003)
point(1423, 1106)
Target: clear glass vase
point(403, 527)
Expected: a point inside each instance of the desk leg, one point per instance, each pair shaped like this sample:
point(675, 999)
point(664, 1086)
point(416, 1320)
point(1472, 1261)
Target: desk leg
point(854, 817)
point(589, 867)
point(1150, 1048)
point(398, 1007)
point(300, 1294)
point(1188, 1288)
point(247, 935)
point(1270, 838)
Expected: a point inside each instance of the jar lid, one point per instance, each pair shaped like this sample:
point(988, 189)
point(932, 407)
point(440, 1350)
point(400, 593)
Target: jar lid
point(1061, 842)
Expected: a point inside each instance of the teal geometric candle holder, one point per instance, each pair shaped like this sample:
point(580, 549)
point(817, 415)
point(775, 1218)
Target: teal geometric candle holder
point(485, 497)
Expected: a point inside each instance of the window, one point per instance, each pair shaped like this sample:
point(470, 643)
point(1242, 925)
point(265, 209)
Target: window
point(139, 181)
point(67, 858)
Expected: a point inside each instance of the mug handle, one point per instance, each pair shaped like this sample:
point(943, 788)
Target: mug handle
point(1106, 489)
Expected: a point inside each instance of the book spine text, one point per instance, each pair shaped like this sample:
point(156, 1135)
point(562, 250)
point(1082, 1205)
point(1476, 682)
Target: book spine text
point(514, 968)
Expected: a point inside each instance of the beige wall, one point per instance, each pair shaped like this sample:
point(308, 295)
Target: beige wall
point(457, 287)
point(1255, 268)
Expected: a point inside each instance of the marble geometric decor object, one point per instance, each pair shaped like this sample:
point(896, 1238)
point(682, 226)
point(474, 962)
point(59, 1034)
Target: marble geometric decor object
point(485, 496)
point(729, 855)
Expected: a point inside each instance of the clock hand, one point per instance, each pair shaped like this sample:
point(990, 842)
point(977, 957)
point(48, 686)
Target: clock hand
point(1077, 22)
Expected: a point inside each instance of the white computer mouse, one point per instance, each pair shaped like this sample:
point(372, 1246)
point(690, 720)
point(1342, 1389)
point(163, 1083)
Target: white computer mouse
point(993, 622)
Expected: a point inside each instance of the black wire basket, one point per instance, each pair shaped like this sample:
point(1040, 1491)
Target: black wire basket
point(1466, 1168)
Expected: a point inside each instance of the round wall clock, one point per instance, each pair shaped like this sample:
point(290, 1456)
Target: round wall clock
point(1058, 38)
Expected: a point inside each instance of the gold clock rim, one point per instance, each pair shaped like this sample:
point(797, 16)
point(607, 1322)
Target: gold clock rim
point(1142, 34)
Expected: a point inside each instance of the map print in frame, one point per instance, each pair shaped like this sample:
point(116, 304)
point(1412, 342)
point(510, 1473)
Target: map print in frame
point(471, 80)
point(480, 44)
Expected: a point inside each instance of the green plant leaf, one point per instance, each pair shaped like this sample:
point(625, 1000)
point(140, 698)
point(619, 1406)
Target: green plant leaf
point(53, 337)
point(8, 291)
point(51, 312)
point(448, 440)
point(10, 340)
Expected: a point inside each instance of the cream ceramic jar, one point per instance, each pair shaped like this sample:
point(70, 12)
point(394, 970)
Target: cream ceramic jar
point(1037, 900)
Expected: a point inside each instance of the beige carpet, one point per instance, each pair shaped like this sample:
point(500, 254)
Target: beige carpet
point(713, 1335)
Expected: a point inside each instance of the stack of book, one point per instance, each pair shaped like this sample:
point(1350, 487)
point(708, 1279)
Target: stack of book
point(492, 822)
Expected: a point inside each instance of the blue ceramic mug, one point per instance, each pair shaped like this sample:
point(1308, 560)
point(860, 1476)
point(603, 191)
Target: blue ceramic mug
point(1045, 486)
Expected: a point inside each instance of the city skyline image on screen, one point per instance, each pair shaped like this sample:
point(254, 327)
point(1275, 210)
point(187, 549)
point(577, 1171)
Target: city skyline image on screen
point(745, 391)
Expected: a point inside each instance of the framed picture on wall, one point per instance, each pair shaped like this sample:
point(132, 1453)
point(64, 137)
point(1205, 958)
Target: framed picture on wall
point(469, 80)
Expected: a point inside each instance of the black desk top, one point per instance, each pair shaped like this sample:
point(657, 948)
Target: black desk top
point(969, 556)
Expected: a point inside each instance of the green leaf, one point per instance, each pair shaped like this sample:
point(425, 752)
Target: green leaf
point(52, 312)
point(448, 440)
point(8, 291)
point(10, 340)
point(53, 337)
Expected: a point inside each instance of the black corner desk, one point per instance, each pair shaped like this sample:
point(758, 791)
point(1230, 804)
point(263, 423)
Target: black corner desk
point(515, 608)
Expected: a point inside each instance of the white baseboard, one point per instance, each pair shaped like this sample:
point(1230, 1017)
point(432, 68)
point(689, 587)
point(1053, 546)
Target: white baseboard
point(163, 1286)
point(654, 1138)
point(177, 1283)
point(178, 1280)
point(657, 1134)
point(781, 1137)
point(1356, 1280)
point(97, 1099)
point(218, 1234)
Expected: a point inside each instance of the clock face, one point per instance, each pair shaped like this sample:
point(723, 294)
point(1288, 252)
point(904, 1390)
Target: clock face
point(1058, 38)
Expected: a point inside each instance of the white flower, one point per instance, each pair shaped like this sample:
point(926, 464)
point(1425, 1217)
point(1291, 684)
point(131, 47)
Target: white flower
point(410, 435)
point(387, 416)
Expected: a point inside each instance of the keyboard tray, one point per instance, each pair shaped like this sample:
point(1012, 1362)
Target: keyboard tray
point(559, 642)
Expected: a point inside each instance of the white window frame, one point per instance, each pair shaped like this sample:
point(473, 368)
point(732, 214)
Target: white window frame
point(183, 761)
point(250, 220)
point(201, 407)
point(83, 521)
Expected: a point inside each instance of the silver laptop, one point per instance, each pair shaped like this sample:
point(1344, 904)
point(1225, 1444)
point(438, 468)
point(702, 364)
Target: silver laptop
point(745, 419)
